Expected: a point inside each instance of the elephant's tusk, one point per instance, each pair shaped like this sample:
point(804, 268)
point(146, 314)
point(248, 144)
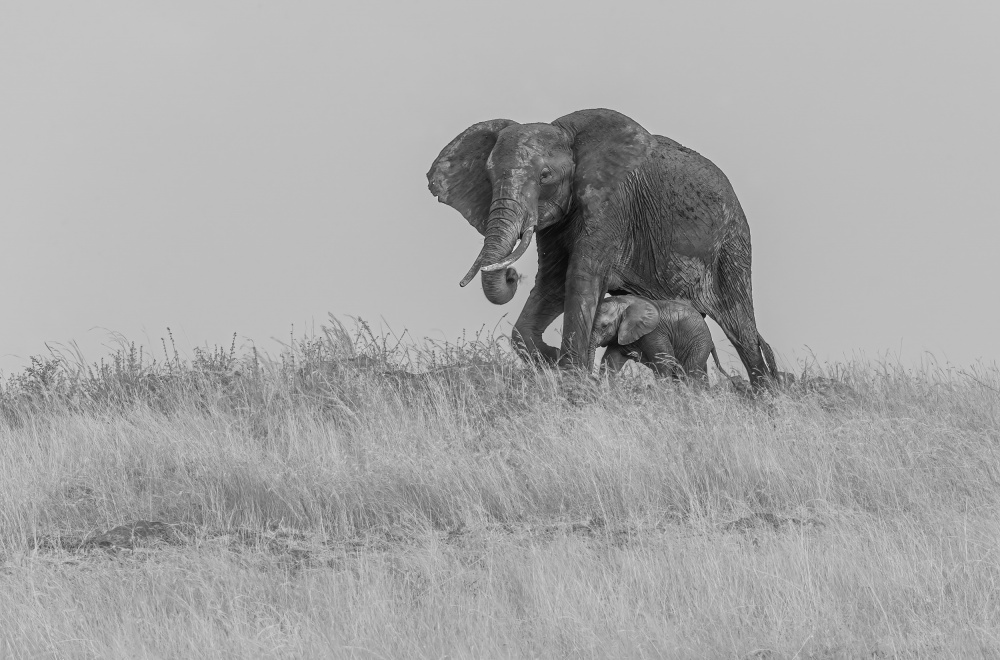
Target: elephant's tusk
point(472, 273)
point(516, 254)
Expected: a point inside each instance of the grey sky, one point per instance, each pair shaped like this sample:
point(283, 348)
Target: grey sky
point(220, 167)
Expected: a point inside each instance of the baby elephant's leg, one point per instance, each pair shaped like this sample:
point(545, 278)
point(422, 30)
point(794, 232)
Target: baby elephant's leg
point(693, 343)
point(696, 361)
point(614, 358)
point(658, 353)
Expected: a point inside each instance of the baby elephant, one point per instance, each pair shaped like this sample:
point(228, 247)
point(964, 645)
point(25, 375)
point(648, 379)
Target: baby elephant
point(668, 335)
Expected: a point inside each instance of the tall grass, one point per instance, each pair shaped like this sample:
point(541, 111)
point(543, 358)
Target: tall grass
point(364, 497)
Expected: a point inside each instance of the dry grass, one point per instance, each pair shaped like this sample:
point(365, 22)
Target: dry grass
point(324, 506)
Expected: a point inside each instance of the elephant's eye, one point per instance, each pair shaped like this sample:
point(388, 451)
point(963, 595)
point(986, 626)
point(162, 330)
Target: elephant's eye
point(546, 175)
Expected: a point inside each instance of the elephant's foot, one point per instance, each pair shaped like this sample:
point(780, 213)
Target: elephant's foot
point(785, 379)
point(579, 388)
point(545, 359)
point(537, 352)
point(571, 363)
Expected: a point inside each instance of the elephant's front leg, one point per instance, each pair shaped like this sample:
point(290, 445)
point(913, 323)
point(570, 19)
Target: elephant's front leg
point(545, 302)
point(541, 309)
point(585, 287)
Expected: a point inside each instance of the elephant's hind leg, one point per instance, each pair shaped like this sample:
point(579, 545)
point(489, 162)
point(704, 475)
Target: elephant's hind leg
point(659, 354)
point(737, 321)
point(731, 306)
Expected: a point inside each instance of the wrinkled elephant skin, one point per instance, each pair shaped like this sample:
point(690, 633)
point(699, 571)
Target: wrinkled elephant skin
point(670, 336)
point(613, 209)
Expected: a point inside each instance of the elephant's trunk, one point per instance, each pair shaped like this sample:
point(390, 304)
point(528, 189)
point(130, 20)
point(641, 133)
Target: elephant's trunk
point(510, 220)
point(596, 341)
point(522, 246)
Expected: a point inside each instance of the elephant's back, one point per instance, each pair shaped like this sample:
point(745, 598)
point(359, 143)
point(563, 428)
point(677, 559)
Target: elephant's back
point(680, 209)
point(682, 206)
point(686, 167)
point(678, 311)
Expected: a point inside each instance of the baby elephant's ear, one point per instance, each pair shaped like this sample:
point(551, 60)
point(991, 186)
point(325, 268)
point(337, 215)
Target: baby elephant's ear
point(639, 319)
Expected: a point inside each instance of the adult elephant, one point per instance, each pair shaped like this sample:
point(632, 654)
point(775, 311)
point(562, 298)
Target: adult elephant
point(614, 209)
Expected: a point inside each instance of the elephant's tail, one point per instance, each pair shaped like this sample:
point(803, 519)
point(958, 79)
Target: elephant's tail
point(768, 355)
point(718, 365)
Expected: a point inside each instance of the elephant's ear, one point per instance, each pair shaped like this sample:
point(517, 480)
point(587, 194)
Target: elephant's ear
point(458, 176)
point(607, 147)
point(638, 320)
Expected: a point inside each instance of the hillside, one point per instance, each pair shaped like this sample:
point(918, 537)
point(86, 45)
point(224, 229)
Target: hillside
point(348, 499)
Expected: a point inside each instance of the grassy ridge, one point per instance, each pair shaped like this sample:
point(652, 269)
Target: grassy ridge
point(333, 502)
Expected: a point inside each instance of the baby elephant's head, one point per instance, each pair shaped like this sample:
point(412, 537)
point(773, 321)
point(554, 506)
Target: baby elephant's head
point(625, 318)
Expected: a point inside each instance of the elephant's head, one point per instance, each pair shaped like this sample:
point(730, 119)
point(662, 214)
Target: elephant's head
point(511, 179)
point(625, 319)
